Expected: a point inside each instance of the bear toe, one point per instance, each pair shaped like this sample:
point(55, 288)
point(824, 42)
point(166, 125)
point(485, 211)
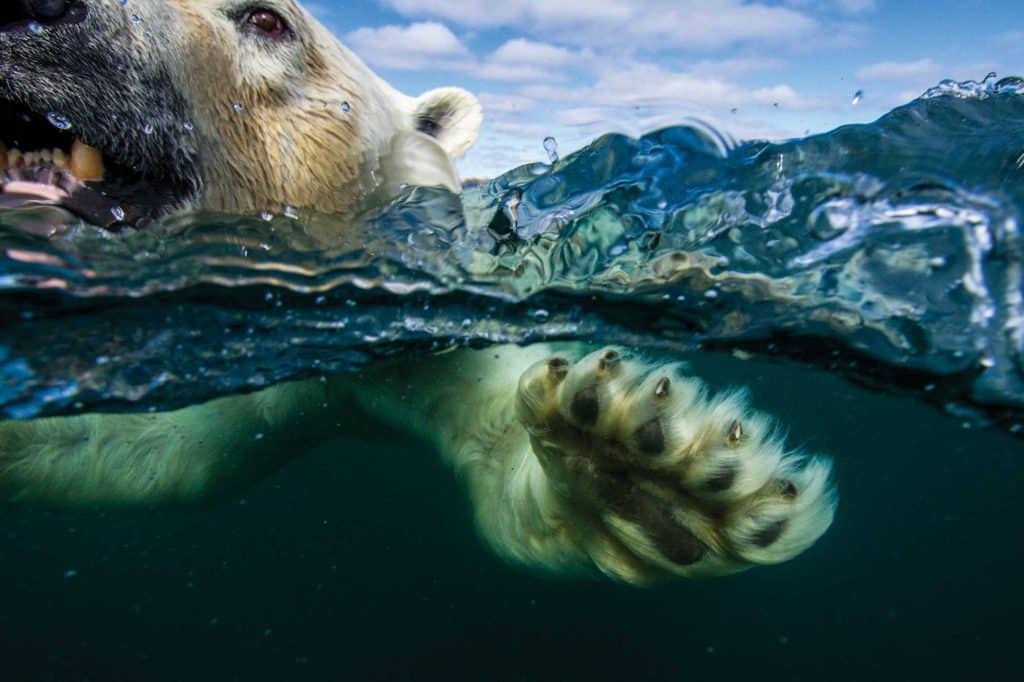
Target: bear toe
point(676, 481)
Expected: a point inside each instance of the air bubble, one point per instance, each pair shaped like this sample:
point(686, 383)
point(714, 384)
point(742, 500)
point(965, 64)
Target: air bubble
point(58, 120)
point(266, 216)
point(237, 106)
point(291, 212)
point(551, 147)
point(35, 27)
point(118, 213)
point(857, 97)
point(148, 129)
point(188, 126)
point(346, 107)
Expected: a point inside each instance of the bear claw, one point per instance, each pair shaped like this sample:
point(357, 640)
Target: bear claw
point(558, 368)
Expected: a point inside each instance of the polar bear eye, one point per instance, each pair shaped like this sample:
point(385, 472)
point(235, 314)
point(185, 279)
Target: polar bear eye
point(267, 23)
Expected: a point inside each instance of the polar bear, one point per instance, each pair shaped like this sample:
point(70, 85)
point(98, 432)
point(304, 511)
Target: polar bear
point(575, 459)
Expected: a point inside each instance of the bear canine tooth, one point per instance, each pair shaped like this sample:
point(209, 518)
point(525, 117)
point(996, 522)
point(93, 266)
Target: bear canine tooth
point(13, 158)
point(60, 159)
point(86, 162)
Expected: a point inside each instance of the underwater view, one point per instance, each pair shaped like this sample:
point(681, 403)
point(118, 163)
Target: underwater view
point(277, 407)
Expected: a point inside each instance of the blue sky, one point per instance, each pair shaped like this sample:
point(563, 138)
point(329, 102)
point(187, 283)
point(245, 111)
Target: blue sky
point(575, 69)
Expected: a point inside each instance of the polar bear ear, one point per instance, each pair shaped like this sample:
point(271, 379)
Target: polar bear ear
point(451, 116)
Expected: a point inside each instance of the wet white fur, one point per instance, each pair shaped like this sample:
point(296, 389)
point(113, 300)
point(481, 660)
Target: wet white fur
point(464, 405)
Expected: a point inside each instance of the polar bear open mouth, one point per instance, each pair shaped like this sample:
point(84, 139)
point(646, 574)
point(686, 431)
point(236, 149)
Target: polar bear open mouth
point(42, 159)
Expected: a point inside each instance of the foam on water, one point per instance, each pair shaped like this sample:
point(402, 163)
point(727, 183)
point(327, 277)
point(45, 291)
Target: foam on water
point(890, 253)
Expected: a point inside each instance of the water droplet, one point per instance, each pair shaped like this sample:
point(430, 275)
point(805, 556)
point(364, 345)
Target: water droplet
point(551, 147)
point(237, 106)
point(266, 216)
point(58, 120)
point(70, 573)
point(857, 97)
point(346, 107)
point(188, 126)
point(148, 129)
point(118, 213)
point(136, 18)
point(35, 27)
point(258, 436)
point(291, 212)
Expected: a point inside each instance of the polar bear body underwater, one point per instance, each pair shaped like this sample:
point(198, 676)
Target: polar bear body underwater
point(574, 460)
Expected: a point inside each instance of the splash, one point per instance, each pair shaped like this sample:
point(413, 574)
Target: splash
point(890, 253)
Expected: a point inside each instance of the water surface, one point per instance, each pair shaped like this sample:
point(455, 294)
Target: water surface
point(865, 284)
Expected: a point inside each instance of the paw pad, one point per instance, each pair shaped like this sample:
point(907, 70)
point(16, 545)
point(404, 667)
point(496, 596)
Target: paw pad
point(681, 483)
point(585, 406)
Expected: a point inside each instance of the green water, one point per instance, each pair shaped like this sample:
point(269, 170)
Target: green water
point(360, 562)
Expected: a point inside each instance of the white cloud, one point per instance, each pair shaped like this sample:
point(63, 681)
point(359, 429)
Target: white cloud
point(856, 6)
point(417, 46)
point(693, 24)
point(522, 51)
point(525, 61)
point(737, 66)
point(640, 84)
point(922, 69)
point(502, 103)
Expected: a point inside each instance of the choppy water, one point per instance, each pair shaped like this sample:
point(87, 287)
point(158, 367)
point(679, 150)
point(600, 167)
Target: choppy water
point(873, 274)
point(890, 253)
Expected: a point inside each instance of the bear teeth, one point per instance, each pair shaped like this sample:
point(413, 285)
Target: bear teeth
point(84, 162)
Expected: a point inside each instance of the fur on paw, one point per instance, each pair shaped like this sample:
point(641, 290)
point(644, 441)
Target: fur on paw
point(661, 478)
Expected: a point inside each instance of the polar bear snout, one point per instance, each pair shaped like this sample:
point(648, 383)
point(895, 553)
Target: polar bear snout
point(92, 118)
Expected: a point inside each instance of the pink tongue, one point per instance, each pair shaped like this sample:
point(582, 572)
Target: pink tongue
point(35, 189)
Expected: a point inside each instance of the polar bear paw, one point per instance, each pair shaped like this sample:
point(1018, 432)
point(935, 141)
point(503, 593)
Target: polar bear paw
point(658, 478)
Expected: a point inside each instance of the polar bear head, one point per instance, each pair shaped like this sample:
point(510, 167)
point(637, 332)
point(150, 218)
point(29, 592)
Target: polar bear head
point(150, 106)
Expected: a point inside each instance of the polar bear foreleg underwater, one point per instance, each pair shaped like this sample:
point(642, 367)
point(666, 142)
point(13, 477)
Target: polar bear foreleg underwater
point(576, 459)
